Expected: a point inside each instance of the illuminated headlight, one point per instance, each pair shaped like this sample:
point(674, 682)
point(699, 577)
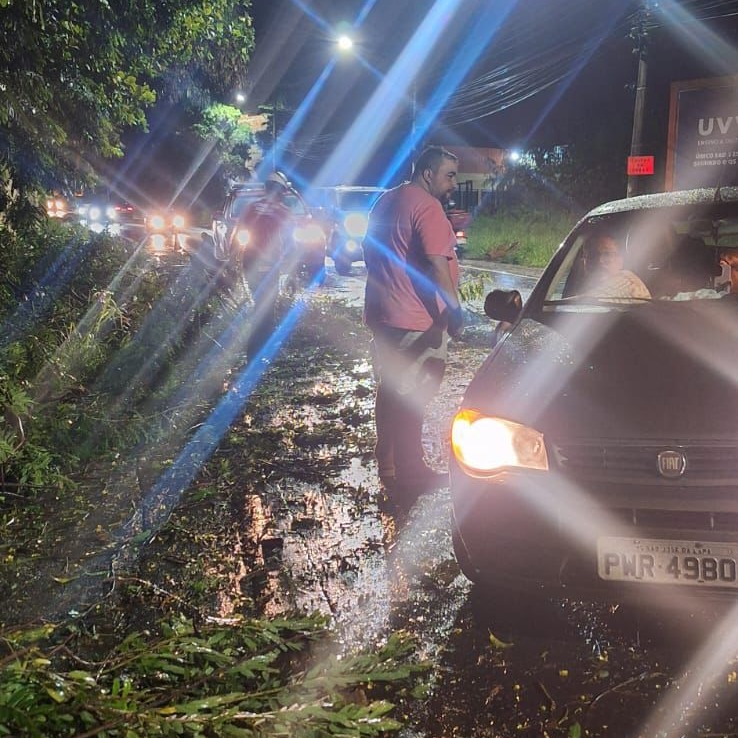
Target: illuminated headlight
point(242, 237)
point(110, 213)
point(61, 205)
point(94, 213)
point(178, 221)
point(311, 233)
point(484, 445)
point(158, 222)
point(49, 204)
point(356, 224)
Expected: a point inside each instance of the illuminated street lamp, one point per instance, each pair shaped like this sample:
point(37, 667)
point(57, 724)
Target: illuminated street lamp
point(344, 42)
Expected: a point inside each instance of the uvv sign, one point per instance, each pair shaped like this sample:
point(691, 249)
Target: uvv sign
point(703, 134)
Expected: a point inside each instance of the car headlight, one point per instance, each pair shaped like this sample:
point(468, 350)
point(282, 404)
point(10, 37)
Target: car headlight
point(484, 445)
point(178, 221)
point(111, 213)
point(158, 222)
point(242, 237)
point(94, 213)
point(311, 233)
point(356, 224)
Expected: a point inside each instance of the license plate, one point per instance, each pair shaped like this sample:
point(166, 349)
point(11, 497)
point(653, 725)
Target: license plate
point(653, 561)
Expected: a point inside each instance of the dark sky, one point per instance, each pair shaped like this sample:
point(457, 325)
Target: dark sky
point(503, 73)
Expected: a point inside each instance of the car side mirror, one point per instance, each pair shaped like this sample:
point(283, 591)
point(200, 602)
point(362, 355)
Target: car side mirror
point(503, 305)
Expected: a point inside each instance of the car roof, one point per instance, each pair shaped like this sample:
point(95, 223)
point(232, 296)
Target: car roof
point(353, 188)
point(666, 199)
point(247, 186)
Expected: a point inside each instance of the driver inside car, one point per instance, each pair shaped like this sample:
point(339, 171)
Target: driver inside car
point(605, 276)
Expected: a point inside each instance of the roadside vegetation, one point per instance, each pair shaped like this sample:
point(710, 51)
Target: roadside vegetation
point(112, 624)
point(523, 236)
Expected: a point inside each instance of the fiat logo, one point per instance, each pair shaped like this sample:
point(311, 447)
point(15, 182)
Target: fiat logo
point(671, 464)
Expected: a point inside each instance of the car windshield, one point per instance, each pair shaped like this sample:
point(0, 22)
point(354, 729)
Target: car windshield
point(357, 199)
point(242, 199)
point(626, 259)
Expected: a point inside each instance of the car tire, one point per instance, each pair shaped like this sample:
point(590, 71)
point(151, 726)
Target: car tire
point(343, 265)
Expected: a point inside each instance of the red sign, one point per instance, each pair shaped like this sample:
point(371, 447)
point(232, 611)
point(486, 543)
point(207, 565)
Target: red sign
point(640, 165)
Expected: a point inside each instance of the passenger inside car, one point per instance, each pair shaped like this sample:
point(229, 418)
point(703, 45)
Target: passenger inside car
point(682, 265)
point(605, 275)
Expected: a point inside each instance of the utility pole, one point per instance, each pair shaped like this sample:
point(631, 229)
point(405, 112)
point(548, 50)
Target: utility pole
point(639, 34)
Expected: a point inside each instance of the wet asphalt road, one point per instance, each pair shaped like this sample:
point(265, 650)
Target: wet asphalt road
point(498, 667)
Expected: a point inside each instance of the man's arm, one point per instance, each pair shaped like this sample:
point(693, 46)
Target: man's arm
point(441, 274)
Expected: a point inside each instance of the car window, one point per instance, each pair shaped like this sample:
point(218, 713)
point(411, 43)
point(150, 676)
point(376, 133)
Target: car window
point(296, 205)
point(635, 257)
point(357, 200)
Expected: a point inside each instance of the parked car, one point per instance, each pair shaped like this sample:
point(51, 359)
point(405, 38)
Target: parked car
point(308, 238)
point(595, 451)
point(343, 211)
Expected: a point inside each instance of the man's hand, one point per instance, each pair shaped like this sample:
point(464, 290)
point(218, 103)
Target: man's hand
point(455, 322)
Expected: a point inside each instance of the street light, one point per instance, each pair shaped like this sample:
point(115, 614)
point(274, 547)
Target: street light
point(344, 42)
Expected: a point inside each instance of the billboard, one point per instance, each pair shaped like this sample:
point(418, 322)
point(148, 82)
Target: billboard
point(702, 149)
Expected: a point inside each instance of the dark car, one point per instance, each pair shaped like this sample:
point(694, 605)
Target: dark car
point(308, 239)
point(596, 449)
point(343, 211)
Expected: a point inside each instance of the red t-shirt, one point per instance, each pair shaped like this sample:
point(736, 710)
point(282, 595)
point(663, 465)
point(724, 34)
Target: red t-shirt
point(406, 226)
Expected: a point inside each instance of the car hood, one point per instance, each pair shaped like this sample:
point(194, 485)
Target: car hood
point(656, 371)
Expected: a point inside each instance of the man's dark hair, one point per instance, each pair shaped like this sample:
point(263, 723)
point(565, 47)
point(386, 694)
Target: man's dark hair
point(431, 158)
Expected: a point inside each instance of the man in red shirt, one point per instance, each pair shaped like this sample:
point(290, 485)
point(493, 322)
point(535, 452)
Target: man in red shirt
point(411, 306)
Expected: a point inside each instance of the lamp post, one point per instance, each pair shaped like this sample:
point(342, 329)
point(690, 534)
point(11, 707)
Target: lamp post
point(639, 34)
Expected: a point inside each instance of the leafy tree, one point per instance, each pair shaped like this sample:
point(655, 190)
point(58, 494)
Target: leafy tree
point(233, 134)
point(74, 74)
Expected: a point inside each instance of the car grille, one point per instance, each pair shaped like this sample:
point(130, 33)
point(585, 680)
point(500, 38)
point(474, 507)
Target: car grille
point(670, 520)
point(706, 463)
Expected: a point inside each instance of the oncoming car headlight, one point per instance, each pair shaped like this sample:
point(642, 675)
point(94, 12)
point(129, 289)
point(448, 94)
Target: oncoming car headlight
point(356, 224)
point(158, 222)
point(484, 445)
point(311, 233)
point(242, 237)
point(178, 221)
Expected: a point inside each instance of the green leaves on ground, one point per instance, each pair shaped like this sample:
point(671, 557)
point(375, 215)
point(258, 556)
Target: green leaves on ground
point(251, 678)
